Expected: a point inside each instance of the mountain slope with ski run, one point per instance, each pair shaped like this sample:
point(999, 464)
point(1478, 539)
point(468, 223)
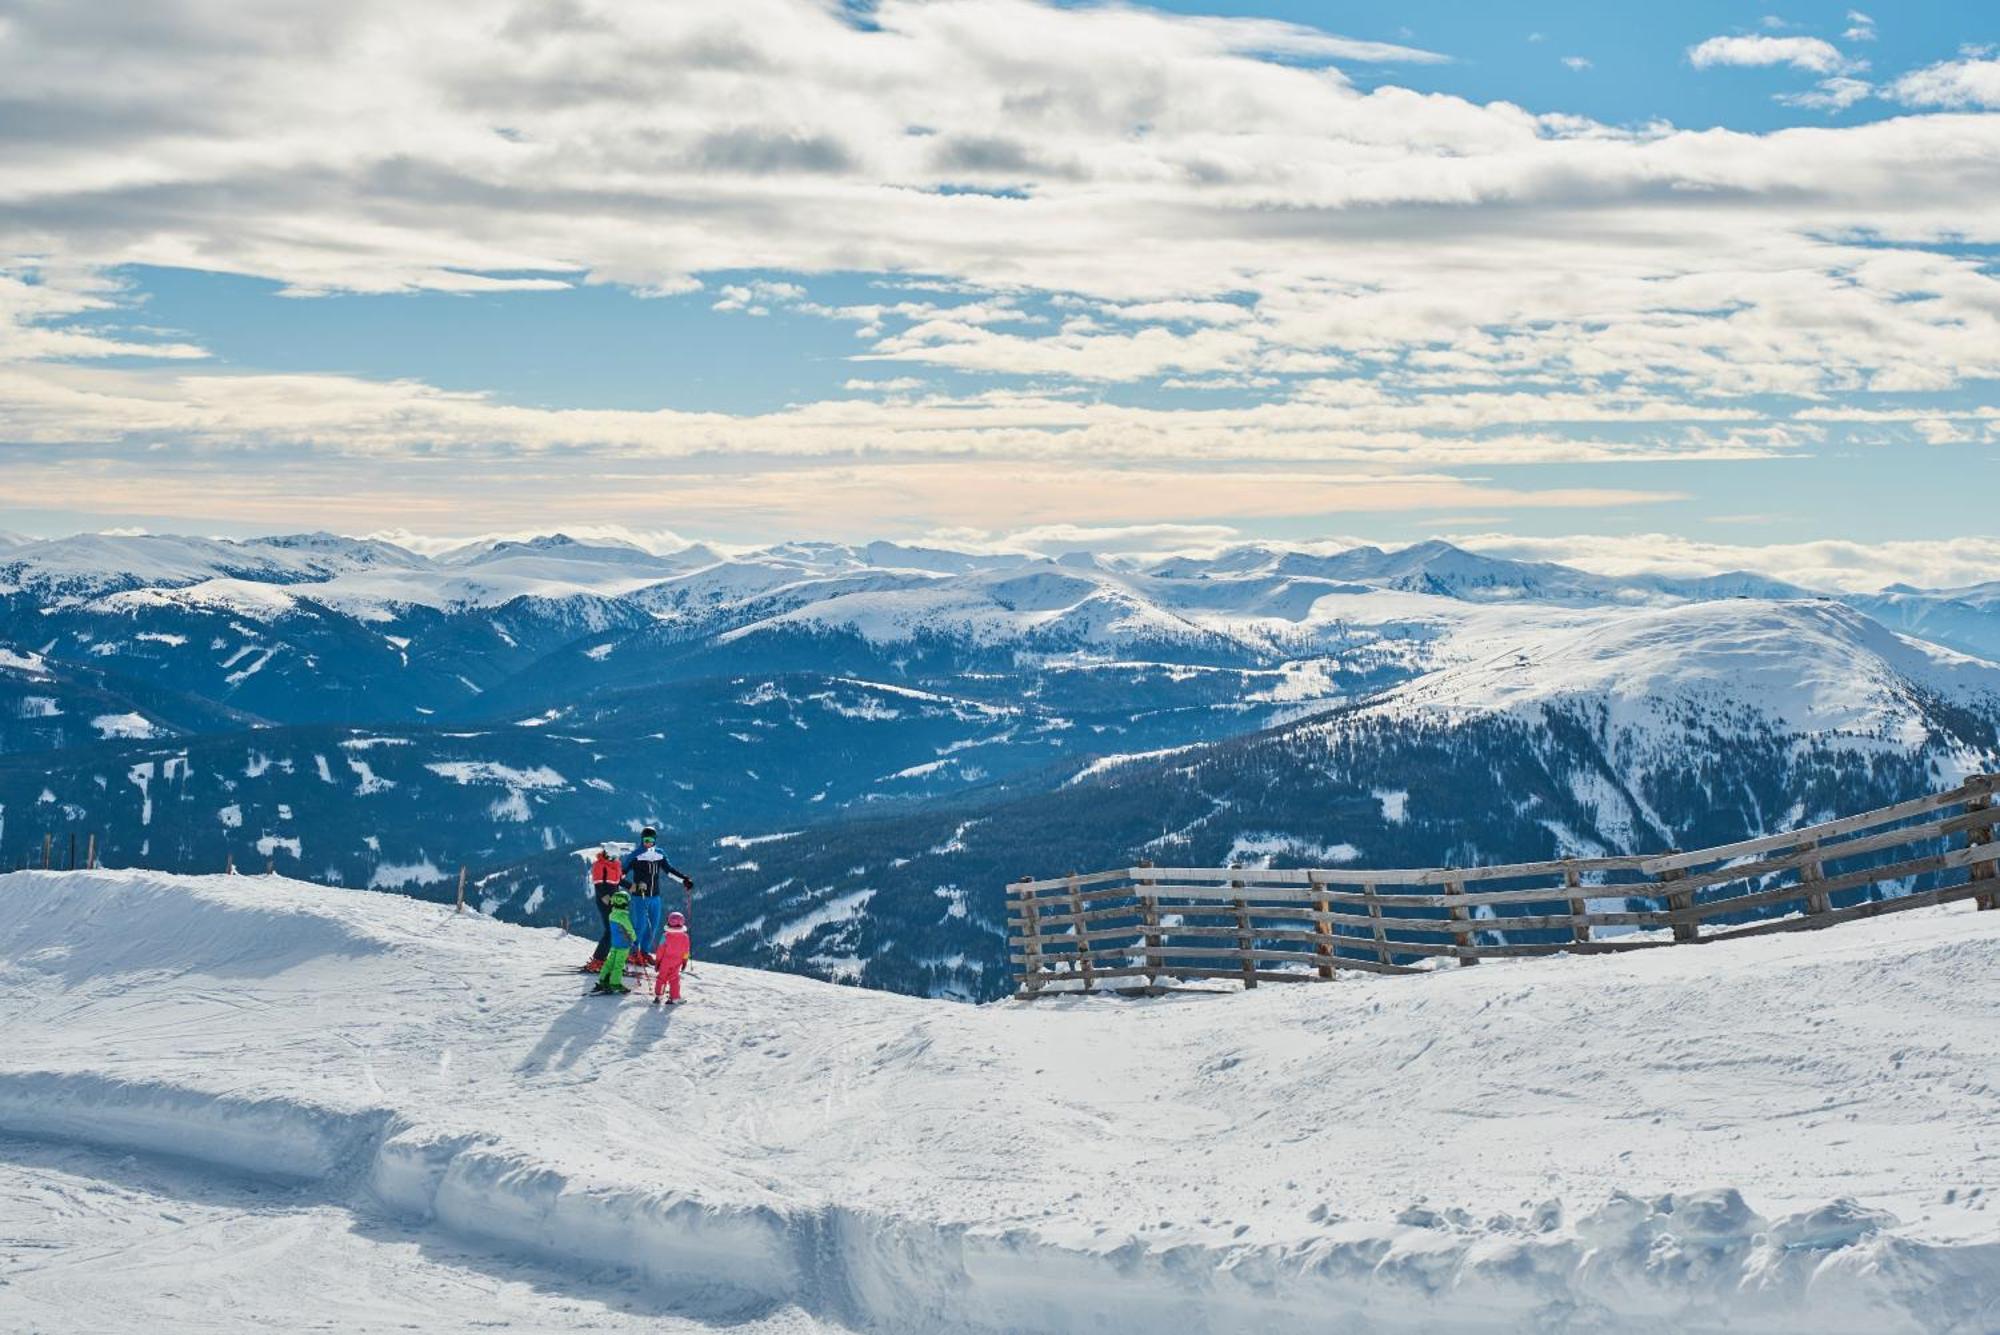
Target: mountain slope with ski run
point(1768, 1135)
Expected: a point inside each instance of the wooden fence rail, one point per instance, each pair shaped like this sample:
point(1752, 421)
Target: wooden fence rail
point(1256, 924)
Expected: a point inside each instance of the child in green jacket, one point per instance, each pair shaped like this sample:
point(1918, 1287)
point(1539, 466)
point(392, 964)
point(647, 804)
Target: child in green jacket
point(611, 982)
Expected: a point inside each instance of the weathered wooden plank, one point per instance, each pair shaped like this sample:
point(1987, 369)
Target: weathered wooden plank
point(1812, 876)
point(1872, 909)
point(1579, 909)
point(1679, 902)
point(1916, 806)
point(1136, 911)
point(1461, 919)
point(1554, 894)
point(1213, 909)
point(1324, 927)
point(1061, 884)
point(1809, 852)
point(1303, 876)
point(1033, 963)
point(1893, 871)
point(1979, 836)
point(1081, 930)
point(1243, 941)
point(1150, 911)
point(1170, 952)
point(1376, 927)
point(1229, 974)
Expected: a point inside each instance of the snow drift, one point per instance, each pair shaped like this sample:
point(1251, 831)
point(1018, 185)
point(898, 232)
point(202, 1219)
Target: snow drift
point(1778, 1134)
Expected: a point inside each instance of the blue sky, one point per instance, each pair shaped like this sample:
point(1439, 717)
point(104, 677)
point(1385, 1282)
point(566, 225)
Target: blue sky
point(1638, 70)
point(961, 268)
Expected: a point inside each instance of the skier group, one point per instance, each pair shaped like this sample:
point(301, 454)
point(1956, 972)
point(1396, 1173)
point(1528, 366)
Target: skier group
point(627, 892)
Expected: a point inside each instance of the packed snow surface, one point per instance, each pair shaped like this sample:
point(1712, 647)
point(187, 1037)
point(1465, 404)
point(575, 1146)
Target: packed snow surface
point(1788, 1133)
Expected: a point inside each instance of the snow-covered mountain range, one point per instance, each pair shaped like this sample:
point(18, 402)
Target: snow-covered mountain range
point(852, 747)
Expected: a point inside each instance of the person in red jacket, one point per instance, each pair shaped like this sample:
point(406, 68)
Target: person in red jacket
point(675, 950)
point(605, 874)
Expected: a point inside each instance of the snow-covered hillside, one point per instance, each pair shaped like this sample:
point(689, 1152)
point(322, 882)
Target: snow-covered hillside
point(1782, 1134)
point(1804, 667)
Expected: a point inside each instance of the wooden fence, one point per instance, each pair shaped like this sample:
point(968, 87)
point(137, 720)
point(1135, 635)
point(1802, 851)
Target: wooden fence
point(1134, 926)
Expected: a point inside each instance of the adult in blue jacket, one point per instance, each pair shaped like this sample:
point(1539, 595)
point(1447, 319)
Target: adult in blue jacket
point(645, 866)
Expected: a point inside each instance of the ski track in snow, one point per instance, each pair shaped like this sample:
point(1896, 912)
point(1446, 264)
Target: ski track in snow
point(147, 1241)
point(1555, 1144)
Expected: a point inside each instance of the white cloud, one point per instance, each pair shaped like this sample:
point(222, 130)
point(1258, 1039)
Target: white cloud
point(757, 297)
point(905, 384)
point(1953, 83)
point(1406, 279)
point(1805, 53)
point(92, 410)
point(1832, 565)
point(1835, 94)
point(1253, 36)
point(1861, 29)
point(660, 542)
point(1578, 63)
point(850, 498)
point(36, 308)
point(1103, 540)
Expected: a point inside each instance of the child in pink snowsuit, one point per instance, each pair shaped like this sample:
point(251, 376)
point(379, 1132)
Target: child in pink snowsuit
point(674, 952)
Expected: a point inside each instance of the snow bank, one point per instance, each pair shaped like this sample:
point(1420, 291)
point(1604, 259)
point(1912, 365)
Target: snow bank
point(1775, 1134)
point(539, 778)
point(135, 727)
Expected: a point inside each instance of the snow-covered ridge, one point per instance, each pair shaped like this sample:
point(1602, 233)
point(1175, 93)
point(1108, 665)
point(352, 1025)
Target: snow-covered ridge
point(1567, 1142)
point(1258, 600)
point(1806, 666)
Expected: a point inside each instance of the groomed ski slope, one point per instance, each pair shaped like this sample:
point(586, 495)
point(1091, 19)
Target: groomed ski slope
point(1799, 1132)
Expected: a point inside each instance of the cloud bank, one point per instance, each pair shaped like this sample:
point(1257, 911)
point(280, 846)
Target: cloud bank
point(1064, 201)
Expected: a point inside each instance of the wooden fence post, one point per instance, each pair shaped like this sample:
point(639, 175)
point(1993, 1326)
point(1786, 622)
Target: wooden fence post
point(270, 864)
point(461, 887)
point(1680, 901)
point(69, 863)
point(1149, 910)
point(1810, 875)
point(229, 864)
point(1081, 932)
point(1978, 837)
point(90, 853)
point(1375, 922)
point(1243, 939)
point(1323, 907)
point(1032, 983)
point(1579, 930)
point(1459, 914)
point(48, 851)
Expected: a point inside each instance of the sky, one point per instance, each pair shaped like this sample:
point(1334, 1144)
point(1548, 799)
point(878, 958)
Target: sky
point(1577, 277)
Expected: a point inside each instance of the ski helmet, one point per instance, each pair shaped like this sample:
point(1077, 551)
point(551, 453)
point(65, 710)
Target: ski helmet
point(619, 899)
point(649, 833)
point(676, 920)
